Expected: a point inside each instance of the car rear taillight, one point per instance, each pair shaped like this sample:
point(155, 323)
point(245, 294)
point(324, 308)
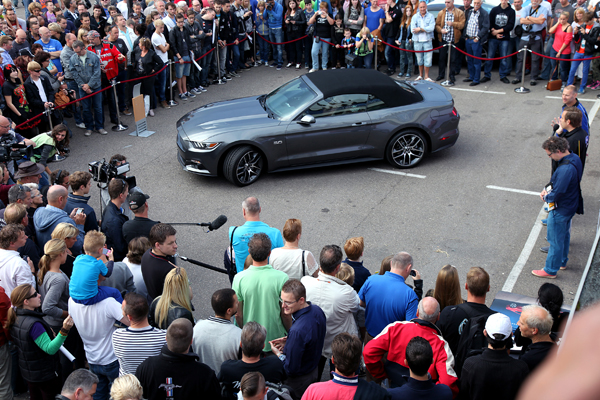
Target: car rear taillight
point(454, 112)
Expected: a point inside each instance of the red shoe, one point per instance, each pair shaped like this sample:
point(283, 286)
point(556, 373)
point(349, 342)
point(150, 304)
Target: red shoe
point(542, 274)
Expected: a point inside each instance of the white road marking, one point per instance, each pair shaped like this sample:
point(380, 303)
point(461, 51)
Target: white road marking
point(537, 226)
point(513, 190)
point(560, 98)
point(129, 145)
point(388, 171)
point(476, 91)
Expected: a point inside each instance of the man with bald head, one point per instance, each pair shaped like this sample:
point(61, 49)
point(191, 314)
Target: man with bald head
point(535, 324)
point(387, 298)
point(394, 339)
point(52, 46)
point(19, 44)
point(47, 218)
point(239, 236)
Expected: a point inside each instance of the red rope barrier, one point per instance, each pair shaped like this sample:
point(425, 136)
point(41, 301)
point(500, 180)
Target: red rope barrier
point(564, 59)
point(291, 41)
point(484, 59)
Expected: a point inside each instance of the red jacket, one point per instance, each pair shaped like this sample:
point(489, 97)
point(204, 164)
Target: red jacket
point(393, 340)
point(109, 57)
point(4, 306)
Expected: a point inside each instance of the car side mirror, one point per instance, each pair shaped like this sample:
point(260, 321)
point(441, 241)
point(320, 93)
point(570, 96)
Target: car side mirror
point(307, 120)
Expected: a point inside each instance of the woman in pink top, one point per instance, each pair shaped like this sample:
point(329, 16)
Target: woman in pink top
point(563, 34)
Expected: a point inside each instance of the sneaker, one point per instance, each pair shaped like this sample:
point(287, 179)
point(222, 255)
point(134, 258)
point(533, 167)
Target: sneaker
point(188, 94)
point(88, 133)
point(581, 90)
point(201, 89)
point(312, 70)
point(306, 66)
point(81, 125)
point(407, 75)
point(182, 96)
point(545, 221)
point(289, 65)
point(227, 77)
point(57, 158)
point(267, 65)
point(279, 68)
point(333, 67)
point(596, 86)
point(195, 91)
point(591, 84)
point(126, 112)
point(544, 249)
point(164, 104)
point(542, 274)
point(325, 69)
point(235, 74)
point(102, 131)
point(273, 65)
point(151, 113)
point(297, 66)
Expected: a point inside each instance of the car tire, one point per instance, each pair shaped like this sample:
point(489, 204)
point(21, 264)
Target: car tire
point(243, 166)
point(406, 149)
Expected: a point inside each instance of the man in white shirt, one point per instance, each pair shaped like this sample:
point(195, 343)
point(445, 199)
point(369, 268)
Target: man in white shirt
point(338, 300)
point(14, 271)
point(217, 339)
point(134, 344)
point(96, 324)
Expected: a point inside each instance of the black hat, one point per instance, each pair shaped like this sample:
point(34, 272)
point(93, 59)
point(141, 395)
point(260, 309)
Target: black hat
point(25, 52)
point(137, 199)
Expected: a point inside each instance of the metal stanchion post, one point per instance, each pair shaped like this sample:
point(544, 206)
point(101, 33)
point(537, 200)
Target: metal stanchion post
point(448, 82)
point(119, 126)
point(375, 48)
point(523, 89)
point(48, 113)
point(256, 64)
point(172, 103)
point(220, 80)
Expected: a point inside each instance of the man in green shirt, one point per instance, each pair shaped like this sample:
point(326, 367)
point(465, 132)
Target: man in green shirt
point(258, 290)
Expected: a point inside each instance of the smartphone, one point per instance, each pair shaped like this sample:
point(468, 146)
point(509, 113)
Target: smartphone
point(105, 251)
point(79, 211)
point(413, 272)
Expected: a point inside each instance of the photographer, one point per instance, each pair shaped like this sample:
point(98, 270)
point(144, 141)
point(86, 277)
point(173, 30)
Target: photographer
point(118, 160)
point(51, 145)
point(8, 137)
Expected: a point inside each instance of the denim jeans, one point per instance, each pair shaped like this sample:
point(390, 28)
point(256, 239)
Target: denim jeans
point(366, 61)
point(205, 64)
point(586, 69)
point(234, 57)
point(559, 237)
point(93, 114)
point(263, 49)
point(106, 375)
point(502, 47)
point(548, 67)
point(159, 85)
point(390, 53)
point(72, 85)
point(108, 96)
point(473, 65)
point(406, 58)
point(563, 67)
point(276, 36)
point(324, 47)
point(308, 43)
point(424, 58)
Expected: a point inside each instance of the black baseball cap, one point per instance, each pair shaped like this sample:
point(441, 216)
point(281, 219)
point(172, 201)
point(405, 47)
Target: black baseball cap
point(136, 200)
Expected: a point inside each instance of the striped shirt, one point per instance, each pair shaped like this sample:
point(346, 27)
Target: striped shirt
point(132, 346)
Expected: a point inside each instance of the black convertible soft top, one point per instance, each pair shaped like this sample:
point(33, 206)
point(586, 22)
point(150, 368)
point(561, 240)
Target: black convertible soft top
point(368, 81)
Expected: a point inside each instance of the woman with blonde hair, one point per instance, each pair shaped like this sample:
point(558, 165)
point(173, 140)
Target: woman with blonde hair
point(447, 287)
point(290, 258)
point(82, 35)
point(175, 301)
point(36, 343)
point(364, 48)
point(126, 387)
point(69, 234)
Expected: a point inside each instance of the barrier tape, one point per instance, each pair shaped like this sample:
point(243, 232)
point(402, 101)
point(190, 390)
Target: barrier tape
point(485, 59)
point(411, 51)
point(564, 59)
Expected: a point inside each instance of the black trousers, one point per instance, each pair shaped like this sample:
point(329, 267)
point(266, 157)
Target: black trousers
point(454, 61)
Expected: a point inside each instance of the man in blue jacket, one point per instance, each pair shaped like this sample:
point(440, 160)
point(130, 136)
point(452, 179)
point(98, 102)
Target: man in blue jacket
point(47, 218)
point(564, 200)
point(274, 16)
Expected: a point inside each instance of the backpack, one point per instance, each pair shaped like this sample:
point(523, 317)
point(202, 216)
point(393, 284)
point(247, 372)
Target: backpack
point(278, 391)
point(472, 341)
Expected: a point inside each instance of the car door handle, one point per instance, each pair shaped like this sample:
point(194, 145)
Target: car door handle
point(359, 123)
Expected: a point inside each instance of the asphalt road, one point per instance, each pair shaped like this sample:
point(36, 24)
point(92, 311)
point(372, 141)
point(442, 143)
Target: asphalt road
point(450, 216)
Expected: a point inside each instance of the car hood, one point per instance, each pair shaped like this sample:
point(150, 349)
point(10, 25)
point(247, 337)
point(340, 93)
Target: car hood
point(224, 117)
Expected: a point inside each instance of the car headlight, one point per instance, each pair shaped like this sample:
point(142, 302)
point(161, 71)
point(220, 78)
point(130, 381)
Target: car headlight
point(207, 146)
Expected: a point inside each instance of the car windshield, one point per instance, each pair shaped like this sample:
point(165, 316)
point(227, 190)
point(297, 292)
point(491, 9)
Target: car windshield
point(287, 100)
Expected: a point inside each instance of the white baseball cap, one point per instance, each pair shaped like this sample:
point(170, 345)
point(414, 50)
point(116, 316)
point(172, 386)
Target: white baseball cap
point(498, 323)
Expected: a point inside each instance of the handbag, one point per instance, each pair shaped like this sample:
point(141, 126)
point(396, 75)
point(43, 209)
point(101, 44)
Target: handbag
point(555, 84)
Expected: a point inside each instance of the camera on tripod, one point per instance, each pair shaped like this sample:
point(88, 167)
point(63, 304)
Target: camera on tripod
point(104, 172)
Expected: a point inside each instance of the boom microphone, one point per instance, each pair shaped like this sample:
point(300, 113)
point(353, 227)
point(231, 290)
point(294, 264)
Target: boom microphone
point(217, 223)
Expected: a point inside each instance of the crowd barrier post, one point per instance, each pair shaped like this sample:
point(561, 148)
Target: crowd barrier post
point(172, 102)
point(523, 89)
point(48, 112)
point(375, 47)
point(448, 82)
point(119, 126)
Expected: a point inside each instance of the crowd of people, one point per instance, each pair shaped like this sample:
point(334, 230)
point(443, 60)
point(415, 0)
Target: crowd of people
point(117, 301)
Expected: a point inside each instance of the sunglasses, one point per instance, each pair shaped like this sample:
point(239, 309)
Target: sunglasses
point(36, 70)
point(32, 296)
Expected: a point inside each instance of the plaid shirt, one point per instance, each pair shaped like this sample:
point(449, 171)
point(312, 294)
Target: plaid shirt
point(449, 36)
point(473, 25)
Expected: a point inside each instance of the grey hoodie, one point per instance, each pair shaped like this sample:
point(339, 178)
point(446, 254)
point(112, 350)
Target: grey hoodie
point(47, 218)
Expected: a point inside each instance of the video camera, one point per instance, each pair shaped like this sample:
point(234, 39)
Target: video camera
point(10, 150)
point(104, 172)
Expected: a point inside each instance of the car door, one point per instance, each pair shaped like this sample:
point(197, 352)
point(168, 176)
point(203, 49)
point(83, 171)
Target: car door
point(338, 129)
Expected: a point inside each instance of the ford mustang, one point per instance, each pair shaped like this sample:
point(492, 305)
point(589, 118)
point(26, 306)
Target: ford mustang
point(318, 119)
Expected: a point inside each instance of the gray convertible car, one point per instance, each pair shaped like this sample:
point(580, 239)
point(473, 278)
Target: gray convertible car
point(323, 118)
